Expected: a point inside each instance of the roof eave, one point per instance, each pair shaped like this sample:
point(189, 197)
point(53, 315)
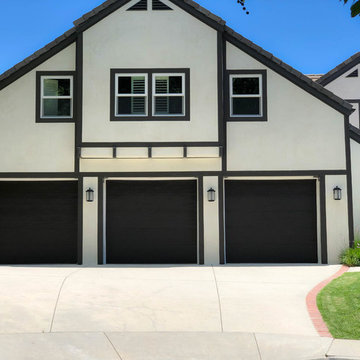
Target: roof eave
point(200, 13)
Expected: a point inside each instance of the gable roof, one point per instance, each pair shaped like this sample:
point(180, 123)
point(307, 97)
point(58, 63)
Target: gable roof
point(109, 6)
point(340, 69)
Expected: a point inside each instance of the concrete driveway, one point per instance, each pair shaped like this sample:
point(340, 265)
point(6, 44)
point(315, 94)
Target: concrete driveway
point(257, 299)
point(163, 312)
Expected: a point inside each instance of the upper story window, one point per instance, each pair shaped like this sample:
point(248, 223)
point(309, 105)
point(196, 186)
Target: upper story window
point(131, 94)
point(150, 94)
point(169, 94)
point(55, 97)
point(247, 95)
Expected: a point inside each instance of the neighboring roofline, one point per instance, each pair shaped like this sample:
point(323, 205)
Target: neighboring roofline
point(109, 6)
point(340, 69)
point(354, 133)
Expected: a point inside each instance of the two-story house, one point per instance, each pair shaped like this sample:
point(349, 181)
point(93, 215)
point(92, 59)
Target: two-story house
point(344, 81)
point(153, 133)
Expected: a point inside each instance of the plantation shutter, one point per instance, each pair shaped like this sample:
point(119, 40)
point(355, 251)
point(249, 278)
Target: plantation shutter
point(137, 87)
point(162, 102)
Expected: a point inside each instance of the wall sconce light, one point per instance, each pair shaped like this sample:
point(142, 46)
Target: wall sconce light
point(211, 195)
point(337, 193)
point(89, 195)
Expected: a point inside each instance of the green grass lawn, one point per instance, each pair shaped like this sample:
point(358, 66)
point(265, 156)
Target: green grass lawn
point(339, 304)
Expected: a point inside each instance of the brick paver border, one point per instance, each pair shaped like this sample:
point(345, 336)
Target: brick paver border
point(313, 310)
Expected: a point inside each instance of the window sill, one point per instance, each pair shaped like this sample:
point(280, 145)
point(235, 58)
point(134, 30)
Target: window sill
point(150, 118)
point(246, 118)
point(54, 120)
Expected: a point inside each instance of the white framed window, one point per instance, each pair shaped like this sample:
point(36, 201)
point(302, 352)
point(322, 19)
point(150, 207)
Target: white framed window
point(131, 95)
point(168, 94)
point(56, 97)
point(246, 95)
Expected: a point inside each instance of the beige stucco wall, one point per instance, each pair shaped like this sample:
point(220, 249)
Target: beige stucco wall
point(25, 145)
point(150, 39)
point(90, 223)
point(302, 132)
point(149, 165)
point(336, 218)
point(211, 222)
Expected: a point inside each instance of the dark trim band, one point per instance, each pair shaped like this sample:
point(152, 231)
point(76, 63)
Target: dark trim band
point(79, 100)
point(80, 220)
point(201, 219)
point(349, 181)
point(323, 229)
point(73, 175)
point(101, 221)
point(221, 187)
point(150, 144)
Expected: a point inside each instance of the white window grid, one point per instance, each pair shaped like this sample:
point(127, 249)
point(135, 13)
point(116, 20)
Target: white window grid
point(43, 97)
point(232, 95)
point(117, 95)
point(182, 94)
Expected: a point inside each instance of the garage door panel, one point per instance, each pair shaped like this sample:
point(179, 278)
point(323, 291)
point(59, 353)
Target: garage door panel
point(151, 222)
point(38, 222)
point(271, 221)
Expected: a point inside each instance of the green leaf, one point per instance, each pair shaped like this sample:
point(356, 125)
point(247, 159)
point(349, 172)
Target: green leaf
point(355, 9)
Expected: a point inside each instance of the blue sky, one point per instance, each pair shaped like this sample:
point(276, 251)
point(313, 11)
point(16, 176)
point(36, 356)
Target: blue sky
point(311, 35)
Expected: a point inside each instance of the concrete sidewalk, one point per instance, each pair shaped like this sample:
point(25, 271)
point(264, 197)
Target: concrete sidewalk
point(173, 346)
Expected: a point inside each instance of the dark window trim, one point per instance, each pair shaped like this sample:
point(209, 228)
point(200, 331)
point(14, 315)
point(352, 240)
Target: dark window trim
point(228, 117)
point(38, 118)
point(150, 73)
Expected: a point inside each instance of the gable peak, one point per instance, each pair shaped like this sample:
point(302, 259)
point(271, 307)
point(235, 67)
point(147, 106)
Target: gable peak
point(139, 6)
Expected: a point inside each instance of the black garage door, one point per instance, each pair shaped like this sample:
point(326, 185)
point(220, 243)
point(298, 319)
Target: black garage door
point(38, 222)
point(271, 221)
point(151, 222)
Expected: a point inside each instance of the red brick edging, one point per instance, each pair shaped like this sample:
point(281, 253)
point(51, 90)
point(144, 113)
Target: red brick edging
point(313, 310)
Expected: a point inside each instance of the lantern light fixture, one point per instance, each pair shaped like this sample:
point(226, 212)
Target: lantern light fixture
point(89, 195)
point(211, 195)
point(337, 193)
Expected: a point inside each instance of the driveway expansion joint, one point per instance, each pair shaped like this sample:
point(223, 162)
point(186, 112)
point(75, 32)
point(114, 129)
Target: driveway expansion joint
point(219, 300)
point(112, 345)
point(58, 297)
point(258, 347)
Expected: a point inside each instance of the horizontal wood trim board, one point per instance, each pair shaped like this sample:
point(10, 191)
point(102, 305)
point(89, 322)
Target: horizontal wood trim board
point(174, 174)
point(150, 144)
